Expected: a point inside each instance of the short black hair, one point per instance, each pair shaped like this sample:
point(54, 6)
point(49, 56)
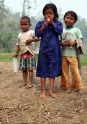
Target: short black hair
point(53, 7)
point(25, 17)
point(71, 13)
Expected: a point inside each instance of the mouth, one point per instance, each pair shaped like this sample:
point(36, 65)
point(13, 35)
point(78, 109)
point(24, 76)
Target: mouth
point(48, 20)
point(68, 23)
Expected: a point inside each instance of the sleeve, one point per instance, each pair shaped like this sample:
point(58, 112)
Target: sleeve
point(58, 27)
point(18, 41)
point(33, 36)
point(37, 29)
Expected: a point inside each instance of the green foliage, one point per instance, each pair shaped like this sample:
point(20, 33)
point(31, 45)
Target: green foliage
point(84, 60)
point(3, 11)
point(8, 34)
point(9, 26)
point(5, 40)
point(82, 25)
point(84, 56)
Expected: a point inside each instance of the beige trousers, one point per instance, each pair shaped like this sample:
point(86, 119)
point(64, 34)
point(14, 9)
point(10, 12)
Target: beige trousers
point(70, 73)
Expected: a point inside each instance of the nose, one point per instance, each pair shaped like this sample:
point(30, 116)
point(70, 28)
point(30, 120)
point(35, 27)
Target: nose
point(48, 14)
point(68, 20)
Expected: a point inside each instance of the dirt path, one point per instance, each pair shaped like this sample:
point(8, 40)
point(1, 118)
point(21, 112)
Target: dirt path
point(20, 105)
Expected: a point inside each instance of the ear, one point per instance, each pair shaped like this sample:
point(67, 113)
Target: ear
point(30, 24)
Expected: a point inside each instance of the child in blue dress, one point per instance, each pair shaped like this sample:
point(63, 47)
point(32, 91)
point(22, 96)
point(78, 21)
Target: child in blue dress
point(49, 59)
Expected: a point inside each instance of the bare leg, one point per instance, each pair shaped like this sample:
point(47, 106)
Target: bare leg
point(43, 94)
point(51, 87)
point(30, 83)
point(24, 78)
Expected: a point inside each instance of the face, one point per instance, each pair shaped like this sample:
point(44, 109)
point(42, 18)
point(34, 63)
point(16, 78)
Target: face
point(24, 24)
point(69, 20)
point(49, 14)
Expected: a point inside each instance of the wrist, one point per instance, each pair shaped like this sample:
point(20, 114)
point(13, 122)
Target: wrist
point(42, 27)
point(16, 54)
point(52, 23)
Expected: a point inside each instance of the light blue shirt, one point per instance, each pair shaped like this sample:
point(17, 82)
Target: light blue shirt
point(72, 34)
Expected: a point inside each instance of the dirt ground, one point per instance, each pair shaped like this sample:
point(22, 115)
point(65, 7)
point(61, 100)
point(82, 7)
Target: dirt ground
point(21, 105)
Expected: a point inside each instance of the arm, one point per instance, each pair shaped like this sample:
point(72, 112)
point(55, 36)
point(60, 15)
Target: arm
point(71, 43)
point(57, 27)
point(78, 36)
point(63, 44)
point(17, 51)
point(32, 40)
point(43, 27)
point(40, 28)
point(37, 29)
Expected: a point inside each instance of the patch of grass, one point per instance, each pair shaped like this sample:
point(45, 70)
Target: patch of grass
point(84, 60)
point(7, 57)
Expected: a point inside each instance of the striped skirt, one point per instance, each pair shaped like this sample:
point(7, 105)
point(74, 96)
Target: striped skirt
point(27, 64)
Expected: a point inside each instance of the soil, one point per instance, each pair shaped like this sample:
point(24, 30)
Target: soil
point(21, 105)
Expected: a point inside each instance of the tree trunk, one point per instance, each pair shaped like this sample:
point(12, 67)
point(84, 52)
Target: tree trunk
point(23, 12)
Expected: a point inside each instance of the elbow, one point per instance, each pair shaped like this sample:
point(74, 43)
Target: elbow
point(37, 34)
point(60, 32)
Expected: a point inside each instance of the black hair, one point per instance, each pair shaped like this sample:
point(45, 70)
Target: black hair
point(53, 7)
point(72, 13)
point(25, 17)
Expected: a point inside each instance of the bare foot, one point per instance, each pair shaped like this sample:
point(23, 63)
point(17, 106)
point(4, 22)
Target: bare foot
point(23, 84)
point(43, 96)
point(80, 91)
point(29, 86)
point(68, 90)
point(53, 94)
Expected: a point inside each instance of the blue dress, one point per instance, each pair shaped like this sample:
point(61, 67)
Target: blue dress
point(49, 58)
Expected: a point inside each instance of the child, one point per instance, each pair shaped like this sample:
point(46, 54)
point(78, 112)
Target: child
point(71, 35)
point(49, 59)
point(25, 47)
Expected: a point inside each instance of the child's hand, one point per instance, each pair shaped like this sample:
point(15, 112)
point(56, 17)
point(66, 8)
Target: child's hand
point(67, 41)
point(64, 44)
point(71, 43)
point(15, 55)
point(50, 21)
point(45, 24)
point(28, 41)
